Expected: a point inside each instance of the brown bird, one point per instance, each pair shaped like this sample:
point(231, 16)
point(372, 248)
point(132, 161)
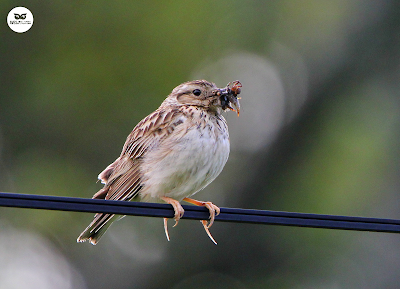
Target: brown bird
point(171, 154)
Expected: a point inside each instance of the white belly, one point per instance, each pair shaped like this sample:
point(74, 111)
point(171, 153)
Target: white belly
point(180, 168)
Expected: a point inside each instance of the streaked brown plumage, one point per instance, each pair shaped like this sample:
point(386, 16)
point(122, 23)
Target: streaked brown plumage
point(171, 154)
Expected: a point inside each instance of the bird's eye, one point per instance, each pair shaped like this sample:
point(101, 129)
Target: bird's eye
point(196, 92)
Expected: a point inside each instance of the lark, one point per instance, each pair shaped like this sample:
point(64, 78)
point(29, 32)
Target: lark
point(171, 154)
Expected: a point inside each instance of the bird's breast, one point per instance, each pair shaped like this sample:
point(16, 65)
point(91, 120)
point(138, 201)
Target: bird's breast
point(188, 160)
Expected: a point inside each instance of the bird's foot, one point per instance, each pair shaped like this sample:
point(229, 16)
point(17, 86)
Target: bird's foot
point(214, 211)
point(178, 213)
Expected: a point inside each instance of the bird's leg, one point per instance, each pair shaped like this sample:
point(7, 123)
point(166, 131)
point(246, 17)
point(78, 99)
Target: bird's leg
point(178, 213)
point(214, 211)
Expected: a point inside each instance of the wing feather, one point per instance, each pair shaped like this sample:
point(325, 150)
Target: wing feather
point(122, 178)
point(126, 169)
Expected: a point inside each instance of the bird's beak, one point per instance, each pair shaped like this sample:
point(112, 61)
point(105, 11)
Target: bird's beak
point(235, 101)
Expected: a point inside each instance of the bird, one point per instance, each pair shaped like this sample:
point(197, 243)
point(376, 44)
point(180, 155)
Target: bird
point(171, 154)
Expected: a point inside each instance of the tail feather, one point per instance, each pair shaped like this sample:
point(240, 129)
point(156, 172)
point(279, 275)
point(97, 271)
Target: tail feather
point(122, 185)
point(97, 228)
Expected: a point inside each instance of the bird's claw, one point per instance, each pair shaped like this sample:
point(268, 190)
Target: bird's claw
point(214, 211)
point(204, 222)
point(166, 228)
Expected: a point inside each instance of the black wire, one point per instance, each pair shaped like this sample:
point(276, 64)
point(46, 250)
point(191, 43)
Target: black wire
point(200, 213)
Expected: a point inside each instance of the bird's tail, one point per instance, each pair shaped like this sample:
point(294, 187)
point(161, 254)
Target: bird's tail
point(97, 228)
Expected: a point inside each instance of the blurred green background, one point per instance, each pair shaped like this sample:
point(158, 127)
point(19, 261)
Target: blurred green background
point(318, 133)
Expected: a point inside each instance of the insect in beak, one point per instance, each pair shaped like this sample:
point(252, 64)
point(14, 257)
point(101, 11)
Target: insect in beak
point(228, 96)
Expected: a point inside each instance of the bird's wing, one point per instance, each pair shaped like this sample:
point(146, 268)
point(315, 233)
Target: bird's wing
point(123, 177)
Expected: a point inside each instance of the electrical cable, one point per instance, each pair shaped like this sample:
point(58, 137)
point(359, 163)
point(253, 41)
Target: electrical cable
point(199, 213)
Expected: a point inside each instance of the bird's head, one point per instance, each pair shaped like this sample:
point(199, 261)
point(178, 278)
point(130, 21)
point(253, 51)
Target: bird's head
point(206, 94)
